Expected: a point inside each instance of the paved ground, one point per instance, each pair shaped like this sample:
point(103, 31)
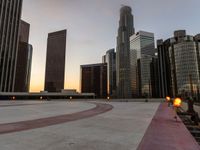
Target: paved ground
point(165, 133)
point(98, 126)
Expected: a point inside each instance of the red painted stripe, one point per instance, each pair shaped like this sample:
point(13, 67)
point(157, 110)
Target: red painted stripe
point(11, 105)
point(164, 133)
point(44, 122)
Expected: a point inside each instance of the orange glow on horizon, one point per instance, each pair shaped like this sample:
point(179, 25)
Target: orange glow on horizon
point(37, 87)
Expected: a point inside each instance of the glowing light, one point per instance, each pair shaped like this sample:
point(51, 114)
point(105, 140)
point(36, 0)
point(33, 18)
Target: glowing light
point(70, 97)
point(167, 98)
point(177, 102)
point(41, 97)
point(108, 98)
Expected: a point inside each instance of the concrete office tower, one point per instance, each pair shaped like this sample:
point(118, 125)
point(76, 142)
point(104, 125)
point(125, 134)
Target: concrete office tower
point(10, 14)
point(55, 61)
point(183, 60)
point(125, 30)
point(24, 59)
point(94, 79)
point(142, 48)
point(111, 72)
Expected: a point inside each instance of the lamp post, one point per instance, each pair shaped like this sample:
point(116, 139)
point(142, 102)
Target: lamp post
point(177, 104)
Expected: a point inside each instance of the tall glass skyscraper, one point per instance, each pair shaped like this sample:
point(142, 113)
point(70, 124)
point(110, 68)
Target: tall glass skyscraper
point(55, 61)
point(110, 59)
point(143, 49)
point(182, 58)
point(125, 30)
point(24, 60)
point(10, 14)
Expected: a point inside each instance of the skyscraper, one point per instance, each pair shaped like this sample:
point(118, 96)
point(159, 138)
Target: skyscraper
point(110, 58)
point(125, 30)
point(164, 69)
point(142, 45)
point(24, 59)
point(55, 61)
point(10, 14)
point(154, 87)
point(182, 53)
point(94, 79)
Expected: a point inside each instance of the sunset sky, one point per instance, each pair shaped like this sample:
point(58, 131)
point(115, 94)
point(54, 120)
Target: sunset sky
point(92, 28)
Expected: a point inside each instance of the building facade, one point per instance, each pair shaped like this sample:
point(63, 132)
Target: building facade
point(125, 30)
point(55, 61)
point(111, 72)
point(154, 87)
point(10, 14)
point(142, 48)
point(94, 79)
point(24, 59)
point(23, 69)
point(182, 53)
point(164, 68)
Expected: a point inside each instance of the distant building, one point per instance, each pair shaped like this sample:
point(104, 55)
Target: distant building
point(55, 61)
point(154, 87)
point(110, 59)
point(104, 59)
point(125, 30)
point(142, 48)
point(133, 70)
point(182, 53)
point(23, 71)
point(164, 69)
point(10, 14)
point(24, 60)
point(94, 79)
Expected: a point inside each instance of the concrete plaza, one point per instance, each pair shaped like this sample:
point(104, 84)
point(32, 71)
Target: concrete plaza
point(120, 126)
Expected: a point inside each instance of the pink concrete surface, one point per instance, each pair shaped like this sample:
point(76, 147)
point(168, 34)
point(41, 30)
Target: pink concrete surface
point(44, 122)
point(164, 133)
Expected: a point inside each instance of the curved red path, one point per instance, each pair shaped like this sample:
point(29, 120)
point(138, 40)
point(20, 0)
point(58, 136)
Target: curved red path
point(44, 122)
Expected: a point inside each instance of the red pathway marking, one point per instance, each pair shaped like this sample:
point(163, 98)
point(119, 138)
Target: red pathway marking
point(164, 133)
point(11, 105)
point(44, 122)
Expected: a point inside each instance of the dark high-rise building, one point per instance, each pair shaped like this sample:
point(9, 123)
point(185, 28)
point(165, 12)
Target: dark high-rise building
point(110, 58)
point(125, 30)
point(164, 69)
point(10, 14)
point(23, 71)
point(24, 59)
point(154, 87)
point(24, 32)
point(55, 61)
point(94, 79)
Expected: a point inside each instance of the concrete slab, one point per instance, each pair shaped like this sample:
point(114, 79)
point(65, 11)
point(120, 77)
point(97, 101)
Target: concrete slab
point(29, 110)
point(122, 128)
point(165, 133)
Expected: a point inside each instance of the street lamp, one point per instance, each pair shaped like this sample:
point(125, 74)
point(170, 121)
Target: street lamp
point(177, 103)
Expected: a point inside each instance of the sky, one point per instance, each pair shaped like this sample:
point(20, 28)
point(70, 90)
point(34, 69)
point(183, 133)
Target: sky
point(92, 28)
